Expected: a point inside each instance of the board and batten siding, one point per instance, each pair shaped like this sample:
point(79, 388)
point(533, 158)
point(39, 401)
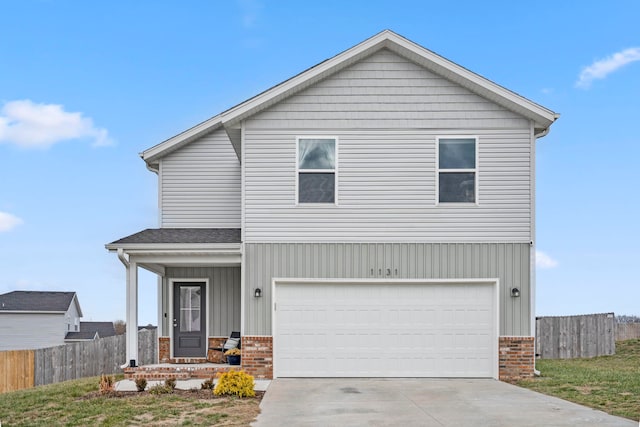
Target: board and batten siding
point(223, 296)
point(26, 331)
point(387, 114)
point(508, 262)
point(200, 184)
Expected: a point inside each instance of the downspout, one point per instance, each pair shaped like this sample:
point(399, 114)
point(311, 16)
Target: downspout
point(122, 257)
point(536, 372)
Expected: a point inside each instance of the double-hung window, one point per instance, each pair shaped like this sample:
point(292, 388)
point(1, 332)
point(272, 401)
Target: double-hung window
point(316, 169)
point(457, 170)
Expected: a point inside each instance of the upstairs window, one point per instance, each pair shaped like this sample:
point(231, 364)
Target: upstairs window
point(316, 170)
point(457, 170)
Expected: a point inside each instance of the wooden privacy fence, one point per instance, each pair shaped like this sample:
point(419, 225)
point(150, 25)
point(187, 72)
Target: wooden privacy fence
point(627, 331)
point(16, 370)
point(567, 337)
point(28, 368)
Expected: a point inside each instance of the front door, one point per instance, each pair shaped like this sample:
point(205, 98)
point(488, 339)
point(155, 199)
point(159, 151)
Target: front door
point(189, 316)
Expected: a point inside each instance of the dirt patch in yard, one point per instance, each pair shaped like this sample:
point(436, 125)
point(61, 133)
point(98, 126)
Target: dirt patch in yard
point(183, 407)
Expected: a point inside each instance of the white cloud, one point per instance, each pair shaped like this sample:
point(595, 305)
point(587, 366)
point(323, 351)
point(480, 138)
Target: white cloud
point(250, 11)
point(603, 67)
point(30, 125)
point(544, 261)
point(8, 221)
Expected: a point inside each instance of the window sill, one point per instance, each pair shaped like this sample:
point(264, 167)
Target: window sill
point(304, 205)
point(458, 204)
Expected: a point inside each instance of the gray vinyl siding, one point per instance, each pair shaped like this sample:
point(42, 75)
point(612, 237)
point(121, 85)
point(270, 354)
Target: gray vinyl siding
point(26, 331)
point(223, 296)
point(386, 91)
point(200, 184)
point(507, 261)
point(387, 113)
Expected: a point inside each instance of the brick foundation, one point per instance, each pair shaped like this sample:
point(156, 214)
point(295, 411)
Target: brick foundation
point(257, 356)
point(516, 358)
point(164, 351)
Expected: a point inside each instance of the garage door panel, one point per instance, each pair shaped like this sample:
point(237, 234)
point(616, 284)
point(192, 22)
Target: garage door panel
point(385, 330)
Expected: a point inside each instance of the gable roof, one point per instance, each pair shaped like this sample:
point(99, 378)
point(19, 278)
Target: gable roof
point(387, 39)
point(38, 301)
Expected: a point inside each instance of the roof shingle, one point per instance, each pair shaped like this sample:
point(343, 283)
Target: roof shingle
point(182, 235)
point(36, 301)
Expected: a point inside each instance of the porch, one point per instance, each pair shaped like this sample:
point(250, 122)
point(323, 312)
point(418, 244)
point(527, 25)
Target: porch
point(198, 290)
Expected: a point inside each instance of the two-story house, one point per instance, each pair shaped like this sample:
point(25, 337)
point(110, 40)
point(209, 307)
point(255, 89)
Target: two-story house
point(37, 319)
point(372, 216)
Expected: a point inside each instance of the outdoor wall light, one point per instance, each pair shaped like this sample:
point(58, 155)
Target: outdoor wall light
point(515, 292)
point(257, 293)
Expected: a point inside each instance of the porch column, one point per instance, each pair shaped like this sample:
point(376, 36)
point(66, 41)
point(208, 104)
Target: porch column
point(132, 312)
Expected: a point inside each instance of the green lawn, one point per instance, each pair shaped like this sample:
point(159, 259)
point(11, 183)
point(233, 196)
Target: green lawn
point(78, 403)
point(608, 383)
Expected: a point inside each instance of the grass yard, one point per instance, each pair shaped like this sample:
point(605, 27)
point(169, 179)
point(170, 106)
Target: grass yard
point(608, 383)
point(78, 403)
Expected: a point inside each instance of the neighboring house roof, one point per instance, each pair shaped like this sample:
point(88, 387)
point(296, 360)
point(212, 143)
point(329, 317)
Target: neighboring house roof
point(81, 336)
point(103, 329)
point(180, 235)
point(91, 331)
point(38, 301)
point(230, 119)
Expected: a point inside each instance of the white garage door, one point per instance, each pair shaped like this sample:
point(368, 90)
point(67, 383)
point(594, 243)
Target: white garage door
point(404, 329)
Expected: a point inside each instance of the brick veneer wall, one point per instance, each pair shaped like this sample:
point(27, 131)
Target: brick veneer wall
point(257, 356)
point(213, 355)
point(516, 358)
point(164, 350)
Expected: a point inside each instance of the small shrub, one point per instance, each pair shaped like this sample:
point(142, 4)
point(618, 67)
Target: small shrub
point(235, 383)
point(170, 383)
point(207, 384)
point(233, 352)
point(160, 389)
point(141, 384)
point(107, 383)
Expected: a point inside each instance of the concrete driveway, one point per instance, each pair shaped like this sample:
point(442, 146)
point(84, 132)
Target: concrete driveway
point(419, 402)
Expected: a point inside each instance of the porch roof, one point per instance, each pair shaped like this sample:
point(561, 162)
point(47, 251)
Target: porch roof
point(179, 236)
point(157, 248)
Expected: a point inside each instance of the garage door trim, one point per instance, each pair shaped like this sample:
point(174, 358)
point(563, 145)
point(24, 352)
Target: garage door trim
point(494, 282)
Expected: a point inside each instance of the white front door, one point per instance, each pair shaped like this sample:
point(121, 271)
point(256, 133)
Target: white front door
point(400, 329)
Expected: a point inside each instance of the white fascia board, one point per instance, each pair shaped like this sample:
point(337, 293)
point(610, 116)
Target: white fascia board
point(485, 87)
point(75, 299)
point(302, 80)
point(154, 153)
point(414, 52)
point(175, 247)
point(385, 39)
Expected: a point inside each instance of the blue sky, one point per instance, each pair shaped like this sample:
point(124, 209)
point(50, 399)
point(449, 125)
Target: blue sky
point(86, 86)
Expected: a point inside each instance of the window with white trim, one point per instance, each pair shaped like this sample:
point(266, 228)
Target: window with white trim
point(457, 170)
point(316, 169)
